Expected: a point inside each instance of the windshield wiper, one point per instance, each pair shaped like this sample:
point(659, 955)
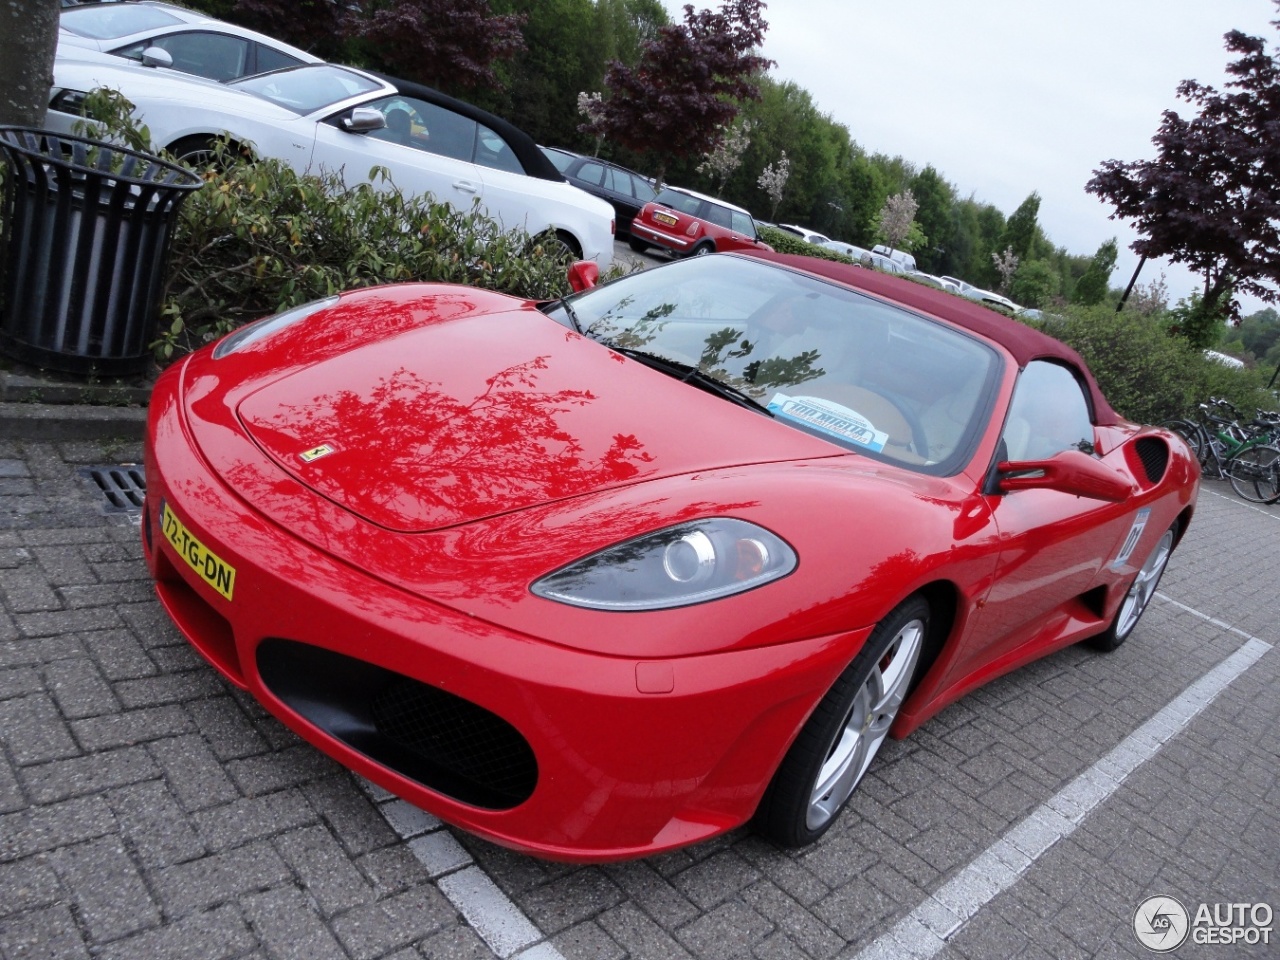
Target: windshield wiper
point(687, 373)
point(569, 312)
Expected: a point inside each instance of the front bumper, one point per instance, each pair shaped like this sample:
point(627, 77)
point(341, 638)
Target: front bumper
point(629, 757)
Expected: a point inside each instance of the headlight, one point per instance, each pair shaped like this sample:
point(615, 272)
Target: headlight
point(259, 329)
point(686, 564)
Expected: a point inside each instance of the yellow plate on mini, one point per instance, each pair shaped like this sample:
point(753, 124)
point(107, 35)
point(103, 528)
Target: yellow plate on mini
point(210, 567)
point(666, 218)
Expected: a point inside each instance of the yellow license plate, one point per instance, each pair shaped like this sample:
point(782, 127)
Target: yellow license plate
point(211, 568)
point(666, 218)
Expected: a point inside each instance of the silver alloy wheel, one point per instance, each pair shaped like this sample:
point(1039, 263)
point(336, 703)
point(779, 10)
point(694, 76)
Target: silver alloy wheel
point(1144, 586)
point(874, 708)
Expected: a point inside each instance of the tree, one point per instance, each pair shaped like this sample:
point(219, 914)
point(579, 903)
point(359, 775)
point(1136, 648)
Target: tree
point(936, 198)
point(896, 224)
point(688, 82)
point(1092, 287)
point(451, 44)
point(314, 25)
point(1035, 284)
point(27, 43)
point(591, 106)
point(1211, 197)
point(1006, 265)
point(726, 157)
point(1022, 228)
point(773, 181)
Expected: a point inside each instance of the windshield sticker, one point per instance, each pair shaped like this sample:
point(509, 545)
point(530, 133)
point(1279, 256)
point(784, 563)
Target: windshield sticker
point(1131, 541)
point(830, 418)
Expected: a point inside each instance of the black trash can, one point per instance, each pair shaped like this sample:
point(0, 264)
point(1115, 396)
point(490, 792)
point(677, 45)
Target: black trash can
point(83, 250)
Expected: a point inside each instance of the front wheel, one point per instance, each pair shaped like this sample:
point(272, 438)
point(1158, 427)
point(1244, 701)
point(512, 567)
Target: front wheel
point(836, 745)
point(1138, 596)
point(1255, 474)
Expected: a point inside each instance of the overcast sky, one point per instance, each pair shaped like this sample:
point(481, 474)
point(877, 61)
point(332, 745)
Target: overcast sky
point(1004, 97)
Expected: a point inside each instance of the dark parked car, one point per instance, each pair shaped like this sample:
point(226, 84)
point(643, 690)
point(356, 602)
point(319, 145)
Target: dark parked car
point(625, 189)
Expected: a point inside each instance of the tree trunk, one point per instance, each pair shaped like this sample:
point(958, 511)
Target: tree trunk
point(28, 38)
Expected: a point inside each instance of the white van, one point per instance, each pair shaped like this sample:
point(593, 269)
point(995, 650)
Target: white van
point(901, 257)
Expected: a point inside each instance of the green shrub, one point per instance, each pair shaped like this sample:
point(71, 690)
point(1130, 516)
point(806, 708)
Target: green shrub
point(1147, 375)
point(259, 238)
point(784, 241)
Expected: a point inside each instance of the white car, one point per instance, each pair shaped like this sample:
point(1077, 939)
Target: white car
point(194, 42)
point(325, 117)
point(854, 253)
point(900, 257)
point(804, 233)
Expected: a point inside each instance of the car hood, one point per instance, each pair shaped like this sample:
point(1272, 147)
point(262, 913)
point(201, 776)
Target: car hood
point(482, 415)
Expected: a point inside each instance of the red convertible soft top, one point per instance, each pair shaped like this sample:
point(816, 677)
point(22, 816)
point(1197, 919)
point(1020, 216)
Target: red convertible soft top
point(1020, 340)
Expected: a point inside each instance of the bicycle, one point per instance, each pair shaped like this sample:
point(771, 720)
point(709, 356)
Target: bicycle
point(1245, 455)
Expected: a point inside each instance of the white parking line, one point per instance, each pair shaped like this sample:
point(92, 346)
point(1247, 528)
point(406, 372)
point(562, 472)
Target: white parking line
point(1242, 503)
point(925, 931)
point(490, 912)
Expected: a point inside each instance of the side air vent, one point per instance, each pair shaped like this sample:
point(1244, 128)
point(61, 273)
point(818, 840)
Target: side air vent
point(443, 741)
point(1154, 454)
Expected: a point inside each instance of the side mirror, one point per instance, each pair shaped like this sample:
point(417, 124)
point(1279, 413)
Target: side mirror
point(364, 119)
point(583, 275)
point(1069, 472)
point(156, 57)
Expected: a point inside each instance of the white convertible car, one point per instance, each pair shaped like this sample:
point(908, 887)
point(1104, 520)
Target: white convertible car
point(326, 117)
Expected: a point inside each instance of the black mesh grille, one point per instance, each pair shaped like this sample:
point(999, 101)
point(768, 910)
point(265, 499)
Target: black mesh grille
point(1154, 454)
point(455, 747)
point(474, 744)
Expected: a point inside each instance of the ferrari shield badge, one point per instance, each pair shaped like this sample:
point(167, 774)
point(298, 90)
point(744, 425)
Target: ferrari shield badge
point(315, 453)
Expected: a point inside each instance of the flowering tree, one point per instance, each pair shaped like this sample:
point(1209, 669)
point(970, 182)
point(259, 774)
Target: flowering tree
point(688, 83)
point(1150, 298)
point(896, 222)
point(721, 162)
point(1006, 265)
point(773, 181)
point(591, 106)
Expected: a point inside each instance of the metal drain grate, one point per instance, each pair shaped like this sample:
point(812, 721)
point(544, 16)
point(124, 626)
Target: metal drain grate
point(124, 486)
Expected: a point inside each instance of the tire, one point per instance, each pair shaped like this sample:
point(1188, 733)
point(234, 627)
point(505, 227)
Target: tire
point(702, 249)
point(559, 244)
point(639, 246)
point(1255, 474)
point(1139, 594)
point(836, 745)
point(201, 152)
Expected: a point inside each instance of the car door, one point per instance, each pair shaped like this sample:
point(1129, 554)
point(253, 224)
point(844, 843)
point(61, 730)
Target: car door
point(206, 53)
point(426, 148)
point(1052, 544)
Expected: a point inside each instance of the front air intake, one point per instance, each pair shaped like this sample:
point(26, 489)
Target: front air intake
point(436, 738)
point(1154, 454)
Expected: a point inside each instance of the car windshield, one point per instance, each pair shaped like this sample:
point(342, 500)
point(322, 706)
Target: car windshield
point(822, 358)
point(109, 21)
point(308, 89)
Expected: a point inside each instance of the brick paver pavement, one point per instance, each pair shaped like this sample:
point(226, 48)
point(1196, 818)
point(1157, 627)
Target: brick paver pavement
point(148, 810)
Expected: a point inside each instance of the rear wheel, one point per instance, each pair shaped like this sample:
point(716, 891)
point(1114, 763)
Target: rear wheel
point(1139, 595)
point(1255, 474)
point(702, 249)
point(639, 246)
point(835, 747)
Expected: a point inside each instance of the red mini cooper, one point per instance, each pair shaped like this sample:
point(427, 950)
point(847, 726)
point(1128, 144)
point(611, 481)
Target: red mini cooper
point(688, 223)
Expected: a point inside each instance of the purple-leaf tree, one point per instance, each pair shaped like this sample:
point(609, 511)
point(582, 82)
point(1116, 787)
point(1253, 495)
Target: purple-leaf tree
point(1211, 197)
point(688, 83)
point(451, 44)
